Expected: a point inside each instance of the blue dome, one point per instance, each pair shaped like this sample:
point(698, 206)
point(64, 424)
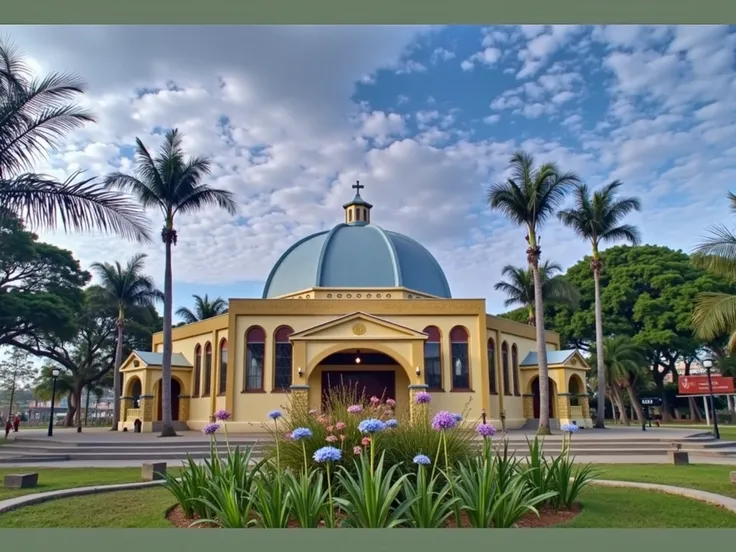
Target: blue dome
point(356, 256)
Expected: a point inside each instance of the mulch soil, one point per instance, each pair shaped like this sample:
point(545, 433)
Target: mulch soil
point(548, 517)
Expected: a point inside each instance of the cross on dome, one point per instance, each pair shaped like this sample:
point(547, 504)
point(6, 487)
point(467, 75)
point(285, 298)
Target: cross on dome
point(358, 211)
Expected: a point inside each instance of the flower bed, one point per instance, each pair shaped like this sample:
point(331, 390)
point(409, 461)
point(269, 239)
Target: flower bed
point(356, 465)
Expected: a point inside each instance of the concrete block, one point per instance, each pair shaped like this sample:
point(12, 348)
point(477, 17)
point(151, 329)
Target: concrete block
point(733, 477)
point(20, 481)
point(153, 472)
point(678, 458)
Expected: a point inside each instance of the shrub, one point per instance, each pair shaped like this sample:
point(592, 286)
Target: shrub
point(430, 498)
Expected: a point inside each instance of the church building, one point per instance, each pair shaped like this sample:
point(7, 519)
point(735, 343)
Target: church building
point(361, 306)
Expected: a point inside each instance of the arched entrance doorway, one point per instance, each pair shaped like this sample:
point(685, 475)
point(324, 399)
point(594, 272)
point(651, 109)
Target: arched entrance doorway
point(535, 399)
point(359, 375)
point(135, 389)
point(175, 392)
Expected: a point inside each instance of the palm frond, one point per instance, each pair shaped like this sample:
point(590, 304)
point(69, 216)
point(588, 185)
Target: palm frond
point(202, 196)
point(714, 315)
point(186, 315)
point(82, 205)
point(717, 253)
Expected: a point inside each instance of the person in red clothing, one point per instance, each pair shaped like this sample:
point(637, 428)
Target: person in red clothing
point(8, 427)
point(16, 423)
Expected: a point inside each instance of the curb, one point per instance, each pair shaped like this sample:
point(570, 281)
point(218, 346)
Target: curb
point(38, 498)
point(713, 499)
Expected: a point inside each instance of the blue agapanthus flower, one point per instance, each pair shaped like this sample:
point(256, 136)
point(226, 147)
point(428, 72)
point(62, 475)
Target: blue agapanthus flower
point(327, 454)
point(390, 424)
point(570, 428)
point(371, 426)
point(422, 460)
point(275, 414)
point(458, 417)
point(301, 433)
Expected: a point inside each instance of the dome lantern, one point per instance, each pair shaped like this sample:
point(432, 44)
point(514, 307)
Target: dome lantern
point(357, 211)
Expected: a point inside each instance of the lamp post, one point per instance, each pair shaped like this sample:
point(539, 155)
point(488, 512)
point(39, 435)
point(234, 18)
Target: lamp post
point(54, 375)
point(708, 364)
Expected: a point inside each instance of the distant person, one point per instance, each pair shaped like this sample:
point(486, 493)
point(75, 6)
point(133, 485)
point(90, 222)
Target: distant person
point(16, 423)
point(8, 427)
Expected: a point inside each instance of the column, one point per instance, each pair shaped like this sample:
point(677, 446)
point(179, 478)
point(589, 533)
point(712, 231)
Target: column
point(146, 408)
point(585, 404)
point(528, 406)
point(417, 411)
point(125, 404)
point(563, 407)
point(183, 408)
point(300, 398)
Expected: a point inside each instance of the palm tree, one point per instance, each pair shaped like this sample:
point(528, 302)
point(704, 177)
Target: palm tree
point(43, 387)
point(203, 309)
point(35, 114)
point(624, 362)
point(715, 313)
point(127, 287)
point(519, 288)
point(172, 184)
point(528, 199)
point(597, 218)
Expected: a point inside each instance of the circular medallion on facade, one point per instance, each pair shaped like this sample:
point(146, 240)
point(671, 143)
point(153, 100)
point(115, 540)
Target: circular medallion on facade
point(359, 328)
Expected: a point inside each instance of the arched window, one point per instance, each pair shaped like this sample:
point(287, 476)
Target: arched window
point(283, 350)
point(255, 352)
point(207, 383)
point(433, 359)
point(515, 367)
point(459, 351)
point(222, 381)
point(492, 366)
point(505, 367)
point(197, 370)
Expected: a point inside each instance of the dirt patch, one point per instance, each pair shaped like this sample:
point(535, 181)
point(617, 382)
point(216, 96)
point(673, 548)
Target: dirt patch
point(548, 517)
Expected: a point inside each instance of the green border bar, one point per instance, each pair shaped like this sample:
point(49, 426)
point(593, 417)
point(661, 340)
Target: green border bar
point(365, 540)
point(312, 12)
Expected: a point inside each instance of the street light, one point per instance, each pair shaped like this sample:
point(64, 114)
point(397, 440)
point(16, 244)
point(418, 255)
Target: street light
point(708, 364)
point(54, 375)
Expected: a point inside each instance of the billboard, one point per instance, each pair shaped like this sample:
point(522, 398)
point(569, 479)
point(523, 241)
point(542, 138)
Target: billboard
point(698, 385)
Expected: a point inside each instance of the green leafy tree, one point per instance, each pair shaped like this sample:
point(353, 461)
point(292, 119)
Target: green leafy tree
point(35, 114)
point(172, 184)
point(519, 288)
point(41, 286)
point(528, 199)
point(128, 288)
point(203, 309)
point(16, 371)
point(596, 218)
point(44, 385)
point(648, 293)
point(715, 312)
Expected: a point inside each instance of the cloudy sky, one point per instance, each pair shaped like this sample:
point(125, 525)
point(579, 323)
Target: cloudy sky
point(425, 117)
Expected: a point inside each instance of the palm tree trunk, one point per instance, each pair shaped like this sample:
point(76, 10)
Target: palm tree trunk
point(635, 402)
point(78, 394)
point(600, 418)
point(12, 398)
point(116, 373)
point(694, 410)
point(167, 429)
point(86, 408)
point(541, 352)
point(621, 406)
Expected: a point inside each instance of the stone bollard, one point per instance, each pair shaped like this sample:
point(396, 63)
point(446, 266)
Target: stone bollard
point(153, 472)
point(20, 481)
point(733, 477)
point(677, 456)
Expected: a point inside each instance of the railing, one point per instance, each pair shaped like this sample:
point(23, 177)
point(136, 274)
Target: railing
point(133, 414)
point(576, 412)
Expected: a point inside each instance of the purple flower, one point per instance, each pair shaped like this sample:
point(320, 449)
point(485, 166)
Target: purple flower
point(210, 429)
point(422, 397)
point(570, 428)
point(422, 460)
point(391, 424)
point(355, 409)
point(458, 417)
point(275, 415)
point(443, 420)
point(301, 433)
point(222, 415)
point(486, 430)
point(327, 454)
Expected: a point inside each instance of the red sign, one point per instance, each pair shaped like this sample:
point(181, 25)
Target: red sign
point(698, 385)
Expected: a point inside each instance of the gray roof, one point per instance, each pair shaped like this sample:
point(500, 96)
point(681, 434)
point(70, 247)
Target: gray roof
point(155, 359)
point(553, 357)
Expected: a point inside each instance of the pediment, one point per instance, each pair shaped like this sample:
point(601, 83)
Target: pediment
point(570, 359)
point(358, 326)
point(140, 360)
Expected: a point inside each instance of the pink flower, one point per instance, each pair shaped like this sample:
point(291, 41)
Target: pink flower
point(339, 426)
point(331, 439)
point(375, 400)
point(330, 428)
point(287, 436)
point(366, 441)
point(357, 450)
point(324, 420)
point(391, 402)
point(355, 409)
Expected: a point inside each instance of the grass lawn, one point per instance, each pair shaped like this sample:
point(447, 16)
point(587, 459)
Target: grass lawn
point(602, 507)
point(713, 478)
point(728, 432)
point(52, 479)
